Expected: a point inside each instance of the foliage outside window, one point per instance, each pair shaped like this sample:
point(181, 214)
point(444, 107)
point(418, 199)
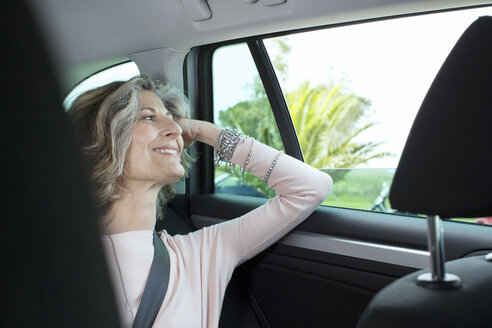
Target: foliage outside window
point(352, 92)
point(241, 103)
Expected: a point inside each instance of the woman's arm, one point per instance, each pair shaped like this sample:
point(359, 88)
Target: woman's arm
point(300, 189)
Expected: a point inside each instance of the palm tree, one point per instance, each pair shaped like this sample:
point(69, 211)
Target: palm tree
point(327, 122)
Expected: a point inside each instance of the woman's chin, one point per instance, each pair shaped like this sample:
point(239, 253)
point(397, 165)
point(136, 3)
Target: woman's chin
point(176, 176)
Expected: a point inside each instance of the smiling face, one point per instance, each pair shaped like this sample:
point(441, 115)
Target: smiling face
point(154, 156)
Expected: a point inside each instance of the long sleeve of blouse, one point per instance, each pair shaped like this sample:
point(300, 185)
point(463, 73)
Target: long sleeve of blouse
point(300, 189)
point(202, 262)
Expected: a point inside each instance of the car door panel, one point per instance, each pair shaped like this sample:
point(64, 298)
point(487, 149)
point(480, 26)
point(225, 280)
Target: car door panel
point(327, 269)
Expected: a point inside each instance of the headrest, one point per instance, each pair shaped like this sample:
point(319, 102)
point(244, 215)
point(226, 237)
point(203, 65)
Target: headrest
point(446, 165)
point(403, 304)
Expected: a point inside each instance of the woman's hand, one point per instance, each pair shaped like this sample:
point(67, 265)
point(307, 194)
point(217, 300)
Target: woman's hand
point(190, 131)
point(195, 130)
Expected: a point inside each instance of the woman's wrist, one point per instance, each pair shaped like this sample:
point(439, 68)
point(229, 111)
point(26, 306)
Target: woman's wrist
point(207, 133)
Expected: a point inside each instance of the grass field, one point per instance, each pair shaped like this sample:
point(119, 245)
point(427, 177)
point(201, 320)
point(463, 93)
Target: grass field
point(353, 188)
point(358, 188)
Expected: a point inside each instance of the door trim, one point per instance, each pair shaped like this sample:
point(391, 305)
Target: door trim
point(402, 256)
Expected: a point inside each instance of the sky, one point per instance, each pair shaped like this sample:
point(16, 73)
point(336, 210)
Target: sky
point(391, 62)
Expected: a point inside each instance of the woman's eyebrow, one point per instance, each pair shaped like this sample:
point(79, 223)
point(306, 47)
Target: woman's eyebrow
point(166, 113)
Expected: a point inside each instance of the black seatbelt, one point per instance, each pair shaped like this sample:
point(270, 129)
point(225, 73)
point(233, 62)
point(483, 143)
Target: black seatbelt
point(156, 286)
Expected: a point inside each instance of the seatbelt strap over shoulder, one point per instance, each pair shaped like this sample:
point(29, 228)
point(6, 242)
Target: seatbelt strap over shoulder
point(156, 287)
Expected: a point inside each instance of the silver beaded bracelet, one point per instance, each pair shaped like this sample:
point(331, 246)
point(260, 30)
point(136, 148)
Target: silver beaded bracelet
point(225, 146)
point(270, 169)
point(246, 162)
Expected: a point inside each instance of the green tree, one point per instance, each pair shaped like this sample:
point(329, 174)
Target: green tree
point(328, 119)
point(255, 119)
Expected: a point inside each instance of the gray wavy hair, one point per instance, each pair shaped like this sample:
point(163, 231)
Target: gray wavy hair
point(103, 119)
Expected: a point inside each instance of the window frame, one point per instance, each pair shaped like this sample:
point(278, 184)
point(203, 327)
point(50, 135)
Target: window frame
point(276, 99)
point(199, 61)
point(198, 79)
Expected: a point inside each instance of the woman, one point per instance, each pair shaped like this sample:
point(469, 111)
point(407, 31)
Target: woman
point(134, 136)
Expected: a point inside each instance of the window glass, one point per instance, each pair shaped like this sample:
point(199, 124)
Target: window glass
point(120, 72)
point(240, 102)
point(353, 93)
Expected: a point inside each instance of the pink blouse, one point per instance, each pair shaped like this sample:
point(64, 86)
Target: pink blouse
point(202, 262)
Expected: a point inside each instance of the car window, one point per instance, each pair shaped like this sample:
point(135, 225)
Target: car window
point(240, 102)
point(353, 93)
point(119, 72)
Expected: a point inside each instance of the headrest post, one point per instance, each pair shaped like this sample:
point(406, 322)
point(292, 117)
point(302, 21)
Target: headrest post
point(435, 243)
point(438, 277)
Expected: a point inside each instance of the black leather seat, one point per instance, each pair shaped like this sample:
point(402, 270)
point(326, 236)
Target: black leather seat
point(53, 270)
point(446, 171)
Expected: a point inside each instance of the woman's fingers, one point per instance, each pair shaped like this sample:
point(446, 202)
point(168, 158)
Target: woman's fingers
point(196, 130)
point(190, 131)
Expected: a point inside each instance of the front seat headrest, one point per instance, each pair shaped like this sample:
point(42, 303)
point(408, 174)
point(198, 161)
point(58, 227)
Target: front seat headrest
point(446, 165)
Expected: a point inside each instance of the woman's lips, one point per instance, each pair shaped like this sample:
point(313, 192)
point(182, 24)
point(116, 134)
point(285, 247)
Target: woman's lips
point(166, 150)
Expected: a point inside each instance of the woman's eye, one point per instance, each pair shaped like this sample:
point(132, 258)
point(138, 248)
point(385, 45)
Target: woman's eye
point(148, 117)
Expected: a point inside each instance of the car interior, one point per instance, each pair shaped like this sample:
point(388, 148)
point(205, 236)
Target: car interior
point(409, 252)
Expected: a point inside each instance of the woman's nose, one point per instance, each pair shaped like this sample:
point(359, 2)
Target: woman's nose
point(171, 128)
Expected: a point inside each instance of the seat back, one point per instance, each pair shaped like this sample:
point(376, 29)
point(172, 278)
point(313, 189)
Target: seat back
point(445, 167)
point(53, 269)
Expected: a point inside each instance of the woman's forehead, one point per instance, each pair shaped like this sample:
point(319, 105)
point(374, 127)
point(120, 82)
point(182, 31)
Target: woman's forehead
point(149, 100)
